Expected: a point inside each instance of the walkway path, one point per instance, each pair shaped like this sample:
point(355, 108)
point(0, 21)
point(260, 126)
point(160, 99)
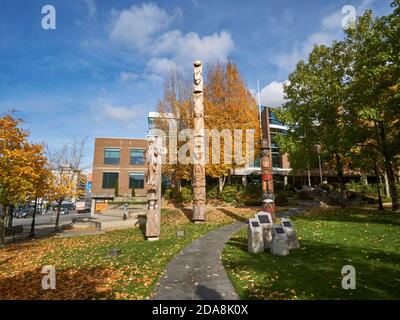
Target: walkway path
point(197, 273)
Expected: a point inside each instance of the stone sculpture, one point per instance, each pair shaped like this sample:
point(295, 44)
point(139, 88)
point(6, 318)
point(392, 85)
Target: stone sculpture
point(288, 227)
point(199, 178)
point(280, 242)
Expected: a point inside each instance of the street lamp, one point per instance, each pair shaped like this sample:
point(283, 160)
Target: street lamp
point(319, 161)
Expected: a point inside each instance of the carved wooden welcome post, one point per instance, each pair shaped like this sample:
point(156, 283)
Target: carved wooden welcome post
point(153, 189)
point(268, 195)
point(199, 176)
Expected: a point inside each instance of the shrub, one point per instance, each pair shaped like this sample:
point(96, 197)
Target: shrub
point(278, 186)
point(167, 193)
point(186, 194)
point(326, 186)
point(133, 194)
point(304, 195)
point(290, 188)
point(212, 192)
point(229, 194)
point(281, 199)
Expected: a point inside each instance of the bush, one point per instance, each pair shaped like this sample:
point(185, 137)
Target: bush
point(290, 188)
point(229, 194)
point(281, 199)
point(167, 193)
point(212, 192)
point(133, 193)
point(326, 186)
point(336, 186)
point(304, 195)
point(278, 186)
point(186, 194)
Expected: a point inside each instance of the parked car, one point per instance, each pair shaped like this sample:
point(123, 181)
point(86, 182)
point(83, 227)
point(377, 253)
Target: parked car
point(24, 213)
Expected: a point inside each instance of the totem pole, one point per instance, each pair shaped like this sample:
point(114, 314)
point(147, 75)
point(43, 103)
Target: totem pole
point(153, 189)
point(267, 179)
point(199, 176)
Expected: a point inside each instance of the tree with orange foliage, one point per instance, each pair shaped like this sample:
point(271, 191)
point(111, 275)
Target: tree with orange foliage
point(229, 106)
point(20, 165)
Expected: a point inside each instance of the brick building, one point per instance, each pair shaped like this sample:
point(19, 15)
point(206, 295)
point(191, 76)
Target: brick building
point(117, 161)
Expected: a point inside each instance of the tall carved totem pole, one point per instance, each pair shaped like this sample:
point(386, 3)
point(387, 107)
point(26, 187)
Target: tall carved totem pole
point(153, 189)
point(268, 195)
point(199, 175)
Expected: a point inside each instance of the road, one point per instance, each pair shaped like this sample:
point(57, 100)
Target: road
point(41, 220)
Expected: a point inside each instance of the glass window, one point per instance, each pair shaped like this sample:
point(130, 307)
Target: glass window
point(111, 156)
point(136, 180)
point(273, 119)
point(137, 156)
point(110, 179)
point(276, 160)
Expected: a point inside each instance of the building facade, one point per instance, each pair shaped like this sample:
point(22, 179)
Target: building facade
point(118, 167)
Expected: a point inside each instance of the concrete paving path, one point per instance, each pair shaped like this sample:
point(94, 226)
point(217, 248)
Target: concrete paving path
point(197, 273)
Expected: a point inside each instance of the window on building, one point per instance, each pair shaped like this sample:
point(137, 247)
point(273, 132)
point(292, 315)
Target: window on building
point(136, 180)
point(110, 179)
point(276, 160)
point(111, 156)
point(273, 119)
point(137, 156)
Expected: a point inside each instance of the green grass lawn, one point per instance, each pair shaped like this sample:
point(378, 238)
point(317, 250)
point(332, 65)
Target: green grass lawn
point(330, 239)
point(83, 270)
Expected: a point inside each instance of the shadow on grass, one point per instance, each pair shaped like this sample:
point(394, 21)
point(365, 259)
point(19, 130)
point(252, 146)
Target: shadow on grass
point(233, 215)
point(187, 212)
point(314, 271)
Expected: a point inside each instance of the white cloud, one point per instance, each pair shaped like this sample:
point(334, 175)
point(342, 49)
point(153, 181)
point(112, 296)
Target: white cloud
point(272, 94)
point(333, 21)
point(146, 28)
point(118, 113)
point(135, 26)
point(160, 66)
point(128, 76)
point(192, 46)
point(91, 6)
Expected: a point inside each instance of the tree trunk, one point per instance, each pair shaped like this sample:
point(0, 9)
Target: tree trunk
point(339, 169)
point(58, 215)
point(32, 233)
point(221, 183)
point(2, 225)
point(387, 191)
point(389, 168)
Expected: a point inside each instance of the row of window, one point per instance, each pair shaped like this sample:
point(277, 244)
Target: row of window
point(136, 180)
point(113, 156)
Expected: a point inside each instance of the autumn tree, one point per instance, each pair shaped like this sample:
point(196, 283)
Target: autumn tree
point(229, 105)
point(21, 163)
point(66, 168)
point(176, 100)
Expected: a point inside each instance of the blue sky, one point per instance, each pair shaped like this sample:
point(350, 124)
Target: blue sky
point(100, 71)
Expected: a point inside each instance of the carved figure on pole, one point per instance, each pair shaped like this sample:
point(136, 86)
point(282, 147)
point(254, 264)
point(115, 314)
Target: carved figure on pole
point(268, 195)
point(199, 178)
point(153, 189)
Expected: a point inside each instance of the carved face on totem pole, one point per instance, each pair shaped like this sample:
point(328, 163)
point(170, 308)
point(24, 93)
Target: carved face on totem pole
point(198, 77)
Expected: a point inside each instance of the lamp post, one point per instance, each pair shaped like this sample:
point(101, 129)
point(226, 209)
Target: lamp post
point(319, 161)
